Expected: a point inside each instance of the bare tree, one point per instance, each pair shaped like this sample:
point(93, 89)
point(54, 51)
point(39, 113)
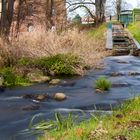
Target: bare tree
point(126, 5)
point(98, 4)
point(118, 8)
point(100, 10)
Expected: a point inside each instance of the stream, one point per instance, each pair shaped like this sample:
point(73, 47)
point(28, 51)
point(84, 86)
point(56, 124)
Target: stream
point(123, 71)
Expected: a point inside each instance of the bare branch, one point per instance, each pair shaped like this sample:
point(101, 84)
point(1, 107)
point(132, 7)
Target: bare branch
point(88, 10)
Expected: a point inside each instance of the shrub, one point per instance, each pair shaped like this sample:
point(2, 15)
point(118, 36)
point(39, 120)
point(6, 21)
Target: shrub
point(103, 84)
point(22, 81)
point(25, 62)
point(60, 64)
point(9, 77)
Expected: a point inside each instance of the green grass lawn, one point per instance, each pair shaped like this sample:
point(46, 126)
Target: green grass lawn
point(98, 33)
point(135, 30)
point(122, 124)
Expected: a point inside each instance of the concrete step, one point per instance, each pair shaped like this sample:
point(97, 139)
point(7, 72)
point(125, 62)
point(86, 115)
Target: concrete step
point(121, 43)
point(121, 48)
point(120, 34)
point(120, 39)
point(120, 52)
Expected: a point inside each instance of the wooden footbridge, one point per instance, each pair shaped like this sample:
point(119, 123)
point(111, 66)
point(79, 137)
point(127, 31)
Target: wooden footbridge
point(121, 41)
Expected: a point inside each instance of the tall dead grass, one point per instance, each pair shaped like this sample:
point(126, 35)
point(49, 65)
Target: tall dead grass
point(41, 44)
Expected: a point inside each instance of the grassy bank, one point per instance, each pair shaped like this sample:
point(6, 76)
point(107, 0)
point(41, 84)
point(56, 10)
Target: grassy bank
point(134, 29)
point(123, 124)
point(68, 53)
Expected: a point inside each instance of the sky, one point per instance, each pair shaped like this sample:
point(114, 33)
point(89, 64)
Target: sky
point(81, 12)
point(133, 2)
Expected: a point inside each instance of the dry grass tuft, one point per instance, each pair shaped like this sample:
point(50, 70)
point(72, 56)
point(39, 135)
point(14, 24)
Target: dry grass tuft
point(40, 43)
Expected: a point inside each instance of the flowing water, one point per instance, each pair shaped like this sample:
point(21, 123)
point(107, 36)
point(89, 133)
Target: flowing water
point(81, 96)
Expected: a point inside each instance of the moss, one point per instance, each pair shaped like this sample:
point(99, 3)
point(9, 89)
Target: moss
point(11, 78)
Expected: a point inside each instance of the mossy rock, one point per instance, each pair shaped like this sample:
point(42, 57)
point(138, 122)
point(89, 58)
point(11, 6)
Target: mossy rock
point(1, 81)
point(38, 97)
point(35, 77)
point(60, 96)
point(55, 82)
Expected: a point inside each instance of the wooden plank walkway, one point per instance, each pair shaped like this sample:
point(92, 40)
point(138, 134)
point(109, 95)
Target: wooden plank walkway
point(120, 41)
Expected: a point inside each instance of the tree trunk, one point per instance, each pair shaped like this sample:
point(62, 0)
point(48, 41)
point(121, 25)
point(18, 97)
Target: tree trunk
point(49, 13)
point(6, 16)
point(3, 17)
point(10, 12)
point(55, 13)
point(100, 10)
point(118, 5)
point(19, 15)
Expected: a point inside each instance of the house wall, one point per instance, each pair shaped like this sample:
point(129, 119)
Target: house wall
point(36, 15)
point(32, 14)
point(136, 15)
point(126, 19)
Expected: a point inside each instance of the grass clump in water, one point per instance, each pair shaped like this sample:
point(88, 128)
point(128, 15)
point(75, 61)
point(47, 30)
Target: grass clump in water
point(103, 84)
